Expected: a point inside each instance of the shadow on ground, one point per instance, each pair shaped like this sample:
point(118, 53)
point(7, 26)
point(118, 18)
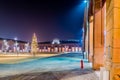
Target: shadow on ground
point(56, 75)
point(88, 73)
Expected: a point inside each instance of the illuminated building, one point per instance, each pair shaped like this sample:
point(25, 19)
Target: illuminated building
point(103, 45)
point(60, 46)
point(9, 45)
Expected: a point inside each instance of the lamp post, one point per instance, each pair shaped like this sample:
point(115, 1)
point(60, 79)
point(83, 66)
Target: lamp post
point(86, 31)
point(27, 47)
point(16, 44)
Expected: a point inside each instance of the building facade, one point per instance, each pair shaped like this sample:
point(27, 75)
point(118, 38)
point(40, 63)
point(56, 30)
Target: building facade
point(94, 39)
point(104, 35)
point(9, 45)
point(60, 46)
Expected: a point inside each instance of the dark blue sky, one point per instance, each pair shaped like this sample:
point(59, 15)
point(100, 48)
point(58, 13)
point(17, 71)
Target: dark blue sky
point(49, 19)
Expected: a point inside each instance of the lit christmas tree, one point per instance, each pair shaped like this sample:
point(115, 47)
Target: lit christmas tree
point(34, 45)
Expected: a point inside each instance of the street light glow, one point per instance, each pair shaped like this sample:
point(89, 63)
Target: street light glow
point(85, 1)
point(15, 38)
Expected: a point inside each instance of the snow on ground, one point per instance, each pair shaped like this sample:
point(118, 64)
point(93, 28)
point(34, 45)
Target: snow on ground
point(63, 62)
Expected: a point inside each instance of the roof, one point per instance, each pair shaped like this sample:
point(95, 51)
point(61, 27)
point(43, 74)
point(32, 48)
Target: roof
point(61, 42)
point(19, 41)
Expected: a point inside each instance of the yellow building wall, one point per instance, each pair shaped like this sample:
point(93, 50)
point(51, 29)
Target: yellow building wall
point(98, 53)
point(113, 37)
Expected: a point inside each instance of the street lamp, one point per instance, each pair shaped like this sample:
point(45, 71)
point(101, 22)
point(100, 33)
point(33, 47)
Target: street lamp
point(85, 1)
point(87, 26)
point(16, 44)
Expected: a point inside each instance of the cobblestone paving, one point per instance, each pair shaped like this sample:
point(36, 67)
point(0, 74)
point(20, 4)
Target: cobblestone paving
point(57, 75)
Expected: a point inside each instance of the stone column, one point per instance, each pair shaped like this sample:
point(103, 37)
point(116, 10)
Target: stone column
point(90, 39)
point(98, 35)
point(59, 49)
point(113, 37)
point(63, 49)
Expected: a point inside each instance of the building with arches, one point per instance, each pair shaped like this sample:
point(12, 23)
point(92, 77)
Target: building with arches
point(12, 46)
point(102, 35)
point(60, 46)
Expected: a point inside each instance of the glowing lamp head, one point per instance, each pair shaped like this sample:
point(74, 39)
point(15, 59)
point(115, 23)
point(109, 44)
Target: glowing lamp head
point(15, 38)
point(85, 1)
point(4, 40)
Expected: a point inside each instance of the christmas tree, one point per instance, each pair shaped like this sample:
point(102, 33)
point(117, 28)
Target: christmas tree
point(34, 45)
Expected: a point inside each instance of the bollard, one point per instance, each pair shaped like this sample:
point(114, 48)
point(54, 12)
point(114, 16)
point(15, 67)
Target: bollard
point(81, 64)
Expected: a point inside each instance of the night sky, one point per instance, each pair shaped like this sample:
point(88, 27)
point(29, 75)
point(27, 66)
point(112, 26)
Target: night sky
point(49, 19)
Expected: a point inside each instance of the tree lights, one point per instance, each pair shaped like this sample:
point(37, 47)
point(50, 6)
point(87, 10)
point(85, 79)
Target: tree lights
point(34, 44)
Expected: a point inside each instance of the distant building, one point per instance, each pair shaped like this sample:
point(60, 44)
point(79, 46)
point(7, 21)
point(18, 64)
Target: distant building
point(60, 46)
point(11, 45)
